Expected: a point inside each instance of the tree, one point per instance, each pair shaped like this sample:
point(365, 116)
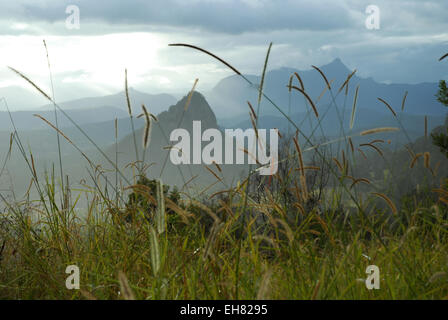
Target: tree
point(441, 139)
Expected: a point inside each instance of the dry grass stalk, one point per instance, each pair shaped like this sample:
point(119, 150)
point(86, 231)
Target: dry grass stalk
point(348, 177)
point(213, 173)
point(378, 130)
point(300, 81)
point(362, 153)
point(367, 181)
point(304, 188)
point(316, 290)
point(427, 158)
point(308, 168)
point(125, 287)
point(252, 111)
point(309, 100)
point(355, 102)
point(263, 290)
point(351, 144)
point(287, 230)
point(253, 118)
point(436, 167)
point(442, 192)
point(299, 152)
point(184, 215)
point(217, 166)
point(300, 207)
point(388, 201)
point(190, 95)
point(323, 76)
point(220, 192)
point(302, 170)
point(63, 135)
point(373, 147)
point(126, 90)
point(388, 106)
point(269, 240)
point(206, 209)
point(11, 139)
point(347, 81)
point(260, 91)
point(160, 212)
point(411, 153)
point(206, 52)
point(31, 82)
point(323, 92)
point(341, 169)
point(278, 132)
point(34, 168)
point(154, 250)
point(404, 101)
point(252, 155)
point(414, 160)
point(217, 226)
point(144, 191)
point(147, 130)
point(154, 117)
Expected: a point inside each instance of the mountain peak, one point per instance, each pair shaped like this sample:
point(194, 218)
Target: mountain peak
point(337, 61)
point(336, 67)
point(198, 109)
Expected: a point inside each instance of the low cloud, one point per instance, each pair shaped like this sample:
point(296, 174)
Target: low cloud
point(135, 34)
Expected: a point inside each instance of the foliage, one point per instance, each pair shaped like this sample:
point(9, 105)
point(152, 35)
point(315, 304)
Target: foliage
point(143, 199)
point(440, 139)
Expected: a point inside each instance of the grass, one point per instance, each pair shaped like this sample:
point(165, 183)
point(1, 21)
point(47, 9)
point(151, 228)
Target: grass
point(288, 236)
point(321, 258)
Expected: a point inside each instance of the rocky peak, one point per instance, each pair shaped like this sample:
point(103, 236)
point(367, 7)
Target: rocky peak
point(198, 109)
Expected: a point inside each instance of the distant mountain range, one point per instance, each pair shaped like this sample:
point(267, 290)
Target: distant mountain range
point(364, 119)
point(24, 120)
point(88, 110)
point(229, 97)
point(21, 98)
point(224, 106)
point(156, 103)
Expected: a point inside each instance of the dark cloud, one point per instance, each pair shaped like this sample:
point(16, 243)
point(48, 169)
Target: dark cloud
point(231, 16)
point(413, 34)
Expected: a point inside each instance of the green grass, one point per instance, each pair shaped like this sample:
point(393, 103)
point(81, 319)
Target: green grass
point(264, 239)
point(323, 257)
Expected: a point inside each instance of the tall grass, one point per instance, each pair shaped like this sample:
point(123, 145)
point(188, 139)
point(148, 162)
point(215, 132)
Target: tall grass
point(289, 236)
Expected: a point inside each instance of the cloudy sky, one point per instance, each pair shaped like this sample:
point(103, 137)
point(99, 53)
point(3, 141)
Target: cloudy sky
point(114, 35)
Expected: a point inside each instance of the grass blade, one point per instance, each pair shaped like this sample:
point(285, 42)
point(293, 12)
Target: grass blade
point(355, 101)
point(155, 252)
point(160, 213)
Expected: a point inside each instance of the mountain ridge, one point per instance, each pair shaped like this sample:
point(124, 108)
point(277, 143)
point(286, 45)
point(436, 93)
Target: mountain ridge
point(230, 95)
